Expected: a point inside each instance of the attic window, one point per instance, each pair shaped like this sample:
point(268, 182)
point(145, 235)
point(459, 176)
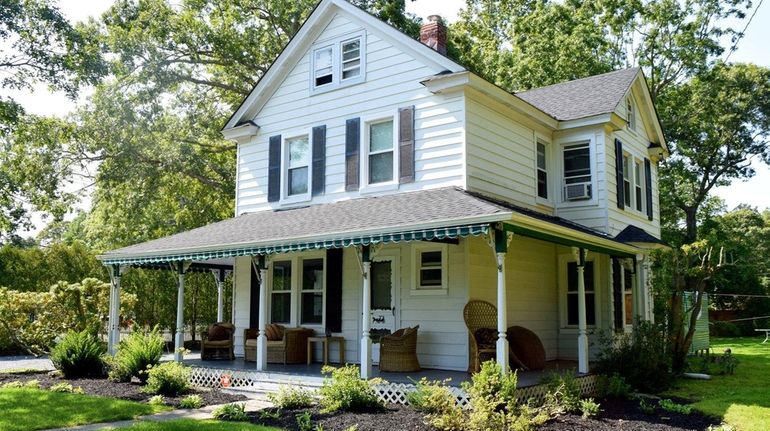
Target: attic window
point(337, 63)
point(630, 113)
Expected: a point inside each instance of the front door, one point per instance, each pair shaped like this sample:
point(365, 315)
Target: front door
point(383, 286)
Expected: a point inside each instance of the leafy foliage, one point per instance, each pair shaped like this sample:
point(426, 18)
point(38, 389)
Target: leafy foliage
point(231, 412)
point(289, 398)
point(193, 401)
point(78, 354)
point(168, 378)
point(136, 355)
point(613, 386)
point(589, 408)
point(343, 389)
point(65, 387)
point(672, 407)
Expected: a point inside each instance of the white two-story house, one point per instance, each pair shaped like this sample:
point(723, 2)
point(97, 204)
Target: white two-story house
point(382, 185)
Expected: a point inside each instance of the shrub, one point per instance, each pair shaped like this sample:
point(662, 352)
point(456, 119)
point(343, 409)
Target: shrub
point(168, 378)
point(563, 393)
point(589, 408)
point(78, 354)
point(612, 386)
point(304, 422)
point(345, 390)
point(136, 354)
point(66, 388)
point(191, 402)
point(673, 407)
point(231, 412)
point(647, 407)
point(724, 329)
point(291, 398)
point(640, 357)
point(439, 404)
point(157, 400)
point(29, 384)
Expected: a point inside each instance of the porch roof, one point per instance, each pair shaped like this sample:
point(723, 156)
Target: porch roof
point(422, 215)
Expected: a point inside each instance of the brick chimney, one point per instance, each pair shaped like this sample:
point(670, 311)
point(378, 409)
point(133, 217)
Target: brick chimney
point(433, 34)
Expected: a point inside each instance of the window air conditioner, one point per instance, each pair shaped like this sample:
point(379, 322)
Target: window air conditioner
point(577, 191)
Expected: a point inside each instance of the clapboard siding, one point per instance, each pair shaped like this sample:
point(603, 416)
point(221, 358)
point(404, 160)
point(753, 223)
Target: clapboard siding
point(392, 81)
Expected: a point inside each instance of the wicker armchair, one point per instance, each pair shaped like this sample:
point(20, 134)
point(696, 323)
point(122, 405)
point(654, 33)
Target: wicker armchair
point(398, 351)
point(291, 348)
point(479, 315)
point(217, 341)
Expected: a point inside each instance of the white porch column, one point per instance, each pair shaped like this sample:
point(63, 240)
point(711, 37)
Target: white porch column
point(501, 347)
point(113, 330)
point(219, 275)
point(262, 321)
point(366, 341)
point(582, 326)
point(179, 338)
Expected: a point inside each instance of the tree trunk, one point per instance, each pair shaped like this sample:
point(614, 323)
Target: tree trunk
point(691, 224)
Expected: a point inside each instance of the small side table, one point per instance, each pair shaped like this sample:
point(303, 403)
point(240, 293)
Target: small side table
point(767, 334)
point(325, 341)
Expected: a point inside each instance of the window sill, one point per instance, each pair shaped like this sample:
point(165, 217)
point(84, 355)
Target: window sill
point(295, 200)
point(378, 188)
point(335, 85)
point(429, 292)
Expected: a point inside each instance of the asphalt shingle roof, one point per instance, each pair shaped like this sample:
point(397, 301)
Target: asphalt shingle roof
point(392, 211)
point(636, 234)
point(581, 98)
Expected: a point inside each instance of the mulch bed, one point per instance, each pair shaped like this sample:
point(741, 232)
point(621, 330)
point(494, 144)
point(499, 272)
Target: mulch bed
point(392, 418)
point(126, 391)
point(616, 414)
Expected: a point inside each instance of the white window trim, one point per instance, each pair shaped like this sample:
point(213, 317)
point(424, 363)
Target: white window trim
point(564, 259)
point(639, 187)
point(590, 139)
point(416, 289)
point(336, 45)
point(628, 163)
point(549, 171)
point(269, 305)
point(286, 199)
point(634, 159)
point(296, 288)
point(365, 187)
point(631, 119)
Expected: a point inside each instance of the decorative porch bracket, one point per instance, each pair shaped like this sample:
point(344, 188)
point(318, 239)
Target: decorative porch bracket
point(262, 321)
point(580, 257)
point(113, 326)
point(181, 268)
point(366, 320)
point(501, 348)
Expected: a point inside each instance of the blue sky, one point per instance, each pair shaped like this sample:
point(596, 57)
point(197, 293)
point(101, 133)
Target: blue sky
point(754, 47)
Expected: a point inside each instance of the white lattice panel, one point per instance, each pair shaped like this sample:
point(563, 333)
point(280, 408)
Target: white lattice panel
point(214, 378)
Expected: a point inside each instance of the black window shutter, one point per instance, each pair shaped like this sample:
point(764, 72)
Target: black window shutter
point(274, 169)
point(648, 186)
point(406, 144)
point(334, 290)
point(617, 295)
point(619, 173)
point(352, 145)
point(254, 298)
point(319, 160)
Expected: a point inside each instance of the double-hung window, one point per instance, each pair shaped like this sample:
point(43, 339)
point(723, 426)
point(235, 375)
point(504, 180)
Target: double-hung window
point(280, 296)
point(381, 154)
point(577, 171)
point(298, 166)
point(628, 296)
point(627, 172)
point(339, 62)
point(312, 294)
point(572, 293)
point(638, 176)
point(630, 113)
point(430, 269)
point(542, 171)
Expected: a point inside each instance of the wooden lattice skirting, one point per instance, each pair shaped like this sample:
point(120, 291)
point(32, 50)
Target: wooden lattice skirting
point(395, 393)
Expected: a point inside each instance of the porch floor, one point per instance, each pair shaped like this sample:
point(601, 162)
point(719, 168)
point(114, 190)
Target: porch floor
point(312, 373)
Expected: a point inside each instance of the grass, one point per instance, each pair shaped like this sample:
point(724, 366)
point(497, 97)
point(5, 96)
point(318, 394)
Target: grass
point(187, 424)
point(741, 400)
point(34, 409)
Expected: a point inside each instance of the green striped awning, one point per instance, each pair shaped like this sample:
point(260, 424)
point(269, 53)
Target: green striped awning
point(227, 251)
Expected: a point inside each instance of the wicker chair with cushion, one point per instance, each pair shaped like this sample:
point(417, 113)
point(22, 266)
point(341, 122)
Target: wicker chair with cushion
point(481, 320)
point(217, 341)
point(284, 345)
point(398, 351)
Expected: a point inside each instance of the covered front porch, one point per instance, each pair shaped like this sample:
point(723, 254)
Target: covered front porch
point(318, 267)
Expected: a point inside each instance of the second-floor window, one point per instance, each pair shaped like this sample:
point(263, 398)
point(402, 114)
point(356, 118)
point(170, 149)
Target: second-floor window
point(577, 171)
point(298, 166)
point(542, 171)
point(627, 172)
point(638, 177)
point(630, 113)
point(323, 68)
point(380, 147)
point(337, 63)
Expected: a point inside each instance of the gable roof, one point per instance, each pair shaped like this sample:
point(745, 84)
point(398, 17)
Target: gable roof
point(321, 15)
point(581, 98)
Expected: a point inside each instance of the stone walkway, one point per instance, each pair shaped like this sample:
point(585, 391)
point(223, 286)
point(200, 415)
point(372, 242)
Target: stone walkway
point(199, 414)
point(25, 363)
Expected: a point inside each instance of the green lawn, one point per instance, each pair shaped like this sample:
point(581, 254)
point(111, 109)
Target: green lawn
point(188, 425)
point(34, 409)
point(743, 399)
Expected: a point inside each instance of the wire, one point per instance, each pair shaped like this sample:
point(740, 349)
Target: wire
point(743, 32)
point(739, 294)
